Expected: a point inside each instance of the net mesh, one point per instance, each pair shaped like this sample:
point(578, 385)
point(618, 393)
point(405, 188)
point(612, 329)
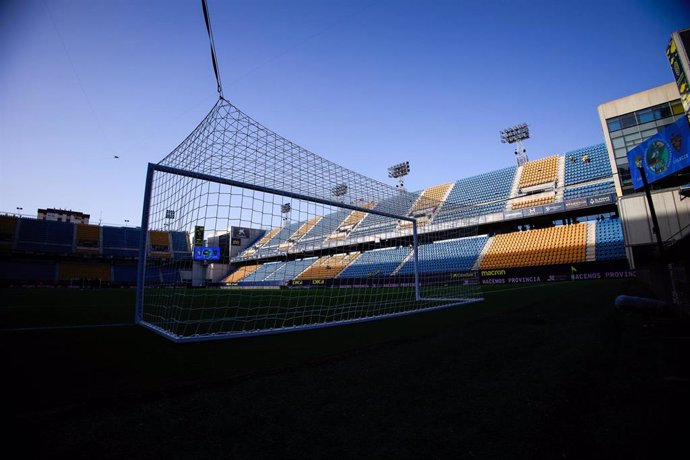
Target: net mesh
point(275, 238)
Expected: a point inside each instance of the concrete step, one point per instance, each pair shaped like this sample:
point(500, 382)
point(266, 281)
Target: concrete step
point(590, 254)
point(483, 252)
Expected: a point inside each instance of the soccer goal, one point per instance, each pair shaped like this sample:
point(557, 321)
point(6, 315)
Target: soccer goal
point(246, 233)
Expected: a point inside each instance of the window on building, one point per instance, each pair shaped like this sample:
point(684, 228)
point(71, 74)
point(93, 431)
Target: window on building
point(620, 153)
point(648, 133)
point(677, 108)
point(645, 116)
point(628, 120)
point(614, 124)
point(662, 111)
point(633, 137)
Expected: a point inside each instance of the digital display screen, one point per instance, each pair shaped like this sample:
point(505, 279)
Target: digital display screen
point(199, 235)
point(206, 253)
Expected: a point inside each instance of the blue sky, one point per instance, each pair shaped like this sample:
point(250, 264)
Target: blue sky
point(366, 84)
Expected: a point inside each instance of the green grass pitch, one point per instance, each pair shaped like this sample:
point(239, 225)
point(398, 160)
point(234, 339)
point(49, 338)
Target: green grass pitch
point(533, 371)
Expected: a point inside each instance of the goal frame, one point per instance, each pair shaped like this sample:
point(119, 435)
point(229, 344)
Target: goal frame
point(141, 271)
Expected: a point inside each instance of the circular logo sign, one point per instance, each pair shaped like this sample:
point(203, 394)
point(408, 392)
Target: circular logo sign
point(658, 157)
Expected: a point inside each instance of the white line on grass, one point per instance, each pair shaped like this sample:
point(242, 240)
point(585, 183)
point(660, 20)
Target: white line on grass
point(50, 328)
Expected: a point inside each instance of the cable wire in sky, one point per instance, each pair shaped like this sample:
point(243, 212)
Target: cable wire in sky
point(76, 75)
point(213, 47)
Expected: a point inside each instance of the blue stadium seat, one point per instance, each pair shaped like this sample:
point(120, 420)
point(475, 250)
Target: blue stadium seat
point(610, 244)
point(289, 270)
point(261, 273)
point(584, 191)
point(170, 274)
point(121, 241)
point(28, 270)
point(45, 236)
point(378, 262)
point(180, 245)
point(447, 256)
point(124, 273)
point(323, 228)
point(577, 171)
point(271, 248)
point(373, 224)
point(477, 195)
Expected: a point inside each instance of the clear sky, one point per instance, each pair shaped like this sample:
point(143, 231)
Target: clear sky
point(364, 83)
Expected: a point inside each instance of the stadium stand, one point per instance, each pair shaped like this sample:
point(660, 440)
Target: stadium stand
point(279, 242)
point(426, 205)
point(37, 271)
point(180, 245)
point(305, 228)
point(529, 202)
point(125, 273)
point(328, 267)
point(290, 270)
point(350, 222)
point(121, 241)
point(159, 244)
point(596, 166)
point(240, 273)
point(108, 253)
point(538, 172)
point(547, 246)
point(584, 191)
point(325, 226)
point(170, 275)
point(609, 240)
point(67, 252)
point(446, 256)
point(264, 239)
point(68, 271)
point(88, 239)
point(261, 272)
point(373, 224)
point(473, 196)
point(45, 236)
point(430, 200)
point(378, 262)
point(8, 232)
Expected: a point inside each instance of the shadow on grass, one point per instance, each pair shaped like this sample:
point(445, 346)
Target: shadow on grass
point(542, 372)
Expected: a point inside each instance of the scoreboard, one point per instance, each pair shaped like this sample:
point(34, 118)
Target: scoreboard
point(206, 253)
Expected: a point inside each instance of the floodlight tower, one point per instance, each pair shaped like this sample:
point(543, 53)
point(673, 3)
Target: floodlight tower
point(285, 211)
point(516, 135)
point(399, 171)
point(339, 191)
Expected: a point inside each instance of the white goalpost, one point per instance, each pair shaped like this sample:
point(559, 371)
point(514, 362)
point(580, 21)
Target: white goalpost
point(245, 233)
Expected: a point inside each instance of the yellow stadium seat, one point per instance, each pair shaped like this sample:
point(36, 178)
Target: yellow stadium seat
point(240, 274)
point(539, 171)
point(83, 271)
point(159, 241)
point(328, 267)
point(431, 198)
point(88, 239)
point(547, 246)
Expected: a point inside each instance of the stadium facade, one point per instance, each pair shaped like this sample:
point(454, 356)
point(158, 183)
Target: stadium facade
point(628, 121)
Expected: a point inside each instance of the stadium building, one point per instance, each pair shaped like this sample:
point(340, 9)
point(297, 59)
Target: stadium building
point(549, 219)
point(575, 215)
point(63, 215)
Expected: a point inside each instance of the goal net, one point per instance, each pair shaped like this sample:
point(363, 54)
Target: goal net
point(248, 233)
